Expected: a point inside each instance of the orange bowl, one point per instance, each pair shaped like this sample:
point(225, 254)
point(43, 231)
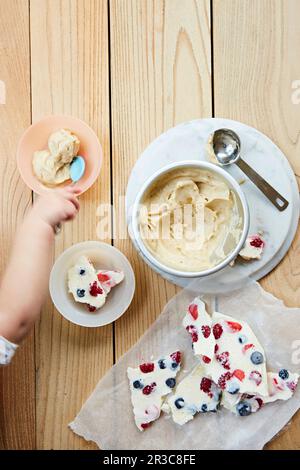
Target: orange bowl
point(36, 138)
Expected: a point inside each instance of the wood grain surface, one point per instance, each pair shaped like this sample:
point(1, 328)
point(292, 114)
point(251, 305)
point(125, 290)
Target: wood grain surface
point(131, 69)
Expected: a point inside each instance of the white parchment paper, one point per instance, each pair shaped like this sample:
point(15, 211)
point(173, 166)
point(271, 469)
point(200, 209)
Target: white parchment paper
point(107, 418)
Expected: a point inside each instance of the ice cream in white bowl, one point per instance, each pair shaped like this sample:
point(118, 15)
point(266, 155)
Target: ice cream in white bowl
point(113, 300)
point(190, 219)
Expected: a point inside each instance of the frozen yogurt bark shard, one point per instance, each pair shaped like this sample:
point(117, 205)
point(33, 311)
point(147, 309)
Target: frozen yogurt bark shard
point(198, 323)
point(109, 279)
point(194, 394)
point(149, 383)
point(239, 364)
point(83, 283)
point(253, 248)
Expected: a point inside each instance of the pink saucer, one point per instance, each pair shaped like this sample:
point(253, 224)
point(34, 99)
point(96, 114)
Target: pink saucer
point(36, 138)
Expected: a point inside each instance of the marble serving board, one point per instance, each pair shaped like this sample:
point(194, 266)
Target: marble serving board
point(187, 141)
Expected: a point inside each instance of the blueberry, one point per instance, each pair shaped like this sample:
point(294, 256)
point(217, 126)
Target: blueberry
point(80, 292)
point(204, 408)
point(162, 364)
point(283, 374)
point(242, 339)
point(171, 382)
point(174, 365)
point(257, 357)
point(179, 403)
point(233, 389)
point(137, 384)
point(82, 272)
point(243, 408)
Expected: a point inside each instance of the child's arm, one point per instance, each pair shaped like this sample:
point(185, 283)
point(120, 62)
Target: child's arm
point(25, 282)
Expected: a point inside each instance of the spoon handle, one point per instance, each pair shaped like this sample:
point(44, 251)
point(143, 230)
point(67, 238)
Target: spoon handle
point(279, 201)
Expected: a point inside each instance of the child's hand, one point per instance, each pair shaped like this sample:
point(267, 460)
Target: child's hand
point(57, 206)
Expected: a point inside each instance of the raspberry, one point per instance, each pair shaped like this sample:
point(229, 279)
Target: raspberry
point(206, 359)
point(239, 374)
point(91, 308)
point(193, 332)
point(193, 309)
point(176, 356)
point(217, 330)
point(246, 347)
point(259, 401)
point(223, 379)
point(147, 367)
point(205, 385)
point(95, 290)
point(234, 326)
point(145, 425)
point(256, 376)
point(205, 331)
point(257, 242)
point(223, 359)
point(149, 388)
point(216, 348)
point(103, 277)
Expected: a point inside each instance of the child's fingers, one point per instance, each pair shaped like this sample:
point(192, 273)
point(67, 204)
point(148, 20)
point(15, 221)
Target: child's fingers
point(74, 201)
point(73, 189)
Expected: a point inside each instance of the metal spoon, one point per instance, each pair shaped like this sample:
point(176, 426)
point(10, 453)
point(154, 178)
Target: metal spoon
point(77, 169)
point(226, 146)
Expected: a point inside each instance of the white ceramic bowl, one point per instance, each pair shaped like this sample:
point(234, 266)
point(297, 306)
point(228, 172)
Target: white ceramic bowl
point(233, 185)
point(103, 256)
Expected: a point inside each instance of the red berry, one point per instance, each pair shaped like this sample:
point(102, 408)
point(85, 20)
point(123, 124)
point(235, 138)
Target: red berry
point(206, 359)
point(223, 379)
point(147, 367)
point(239, 374)
point(148, 388)
point(103, 277)
point(257, 242)
point(246, 347)
point(259, 401)
point(223, 359)
point(205, 385)
point(217, 330)
point(176, 356)
point(292, 386)
point(193, 332)
point(145, 425)
point(216, 348)
point(193, 309)
point(91, 308)
point(95, 290)
point(256, 376)
point(205, 331)
point(234, 326)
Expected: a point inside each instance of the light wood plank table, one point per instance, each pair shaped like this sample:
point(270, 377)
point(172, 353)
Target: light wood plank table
point(130, 69)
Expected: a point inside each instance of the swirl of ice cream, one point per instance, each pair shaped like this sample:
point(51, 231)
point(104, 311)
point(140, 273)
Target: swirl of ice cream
point(190, 220)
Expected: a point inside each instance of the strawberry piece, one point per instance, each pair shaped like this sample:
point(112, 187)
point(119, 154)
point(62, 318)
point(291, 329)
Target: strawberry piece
point(205, 331)
point(292, 386)
point(205, 385)
point(223, 359)
point(102, 277)
point(246, 347)
point(193, 309)
point(91, 308)
point(206, 359)
point(95, 290)
point(239, 374)
point(145, 425)
point(217, 330)
point(176, 356)
point(147, 367)
point(234, 326)
point(193, 332)
point(223, 379)
point(259, 401)
point(148, 388)
point(216, 348)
